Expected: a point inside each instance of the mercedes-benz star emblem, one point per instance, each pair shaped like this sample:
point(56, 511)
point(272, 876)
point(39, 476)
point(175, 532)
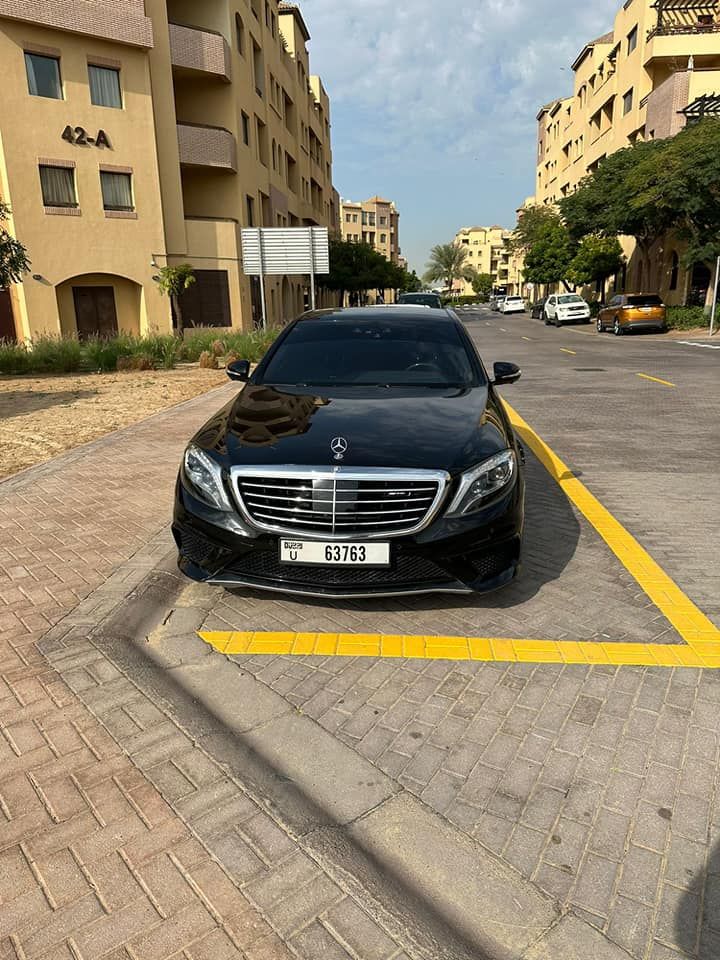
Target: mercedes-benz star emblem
point(339, 446)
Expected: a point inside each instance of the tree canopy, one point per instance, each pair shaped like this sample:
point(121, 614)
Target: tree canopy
point(548, 259)
point(13, 255)
point(448, 263)
point(681, 186)
point(533, 224)
point(356, 267)
point(482, 284)
point(596, 258)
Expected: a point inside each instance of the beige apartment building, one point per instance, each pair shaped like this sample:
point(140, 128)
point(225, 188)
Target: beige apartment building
point(643, 80)
point(140, 133)
point(374, 221)
point(487, 253)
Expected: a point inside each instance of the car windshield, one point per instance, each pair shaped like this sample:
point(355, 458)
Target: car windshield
point(513, 299)
point(421, 299)
point(644, 300)
point(570, 298)
point(382, 352)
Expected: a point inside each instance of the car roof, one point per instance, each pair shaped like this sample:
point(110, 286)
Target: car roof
point(391, 311)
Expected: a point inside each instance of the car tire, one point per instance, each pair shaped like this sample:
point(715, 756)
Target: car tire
point(546, 319)
point(558, 322)
point(599, 325)
point(617, 329)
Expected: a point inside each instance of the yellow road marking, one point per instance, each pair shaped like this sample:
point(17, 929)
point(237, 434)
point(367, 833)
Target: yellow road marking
point(525, 338)
point(701, 636)
point(646, 376)
point(565, 350)
point(689, 621)
point(487, 649)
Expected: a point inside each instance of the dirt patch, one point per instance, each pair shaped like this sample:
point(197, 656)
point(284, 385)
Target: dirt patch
point(43, 416)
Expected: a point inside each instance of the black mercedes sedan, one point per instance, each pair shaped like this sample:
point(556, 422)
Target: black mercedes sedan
point(367, 455)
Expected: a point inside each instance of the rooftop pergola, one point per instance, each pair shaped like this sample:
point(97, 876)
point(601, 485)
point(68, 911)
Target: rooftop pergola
point(708, 105)
point(685, 16)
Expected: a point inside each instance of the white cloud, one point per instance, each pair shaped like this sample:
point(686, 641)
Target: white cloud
point(417, 87)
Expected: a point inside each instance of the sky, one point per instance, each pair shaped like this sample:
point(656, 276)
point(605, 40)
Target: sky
point(434, 101)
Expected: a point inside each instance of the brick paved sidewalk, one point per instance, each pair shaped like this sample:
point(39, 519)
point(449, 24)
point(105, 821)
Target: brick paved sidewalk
point(93, 861)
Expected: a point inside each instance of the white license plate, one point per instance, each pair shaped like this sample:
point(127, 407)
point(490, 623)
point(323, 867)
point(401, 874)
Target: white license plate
point(335, 554)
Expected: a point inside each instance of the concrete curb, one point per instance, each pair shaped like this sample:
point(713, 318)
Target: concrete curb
point(428, 885)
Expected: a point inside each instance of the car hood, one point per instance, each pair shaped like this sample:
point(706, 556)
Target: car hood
point(446, 429)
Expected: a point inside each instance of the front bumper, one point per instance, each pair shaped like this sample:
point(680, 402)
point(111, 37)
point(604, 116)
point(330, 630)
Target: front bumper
point(574, 318)
point(468, 555)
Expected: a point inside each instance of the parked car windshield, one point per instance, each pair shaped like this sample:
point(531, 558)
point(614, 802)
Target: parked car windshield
point(644, 300)
point(570, 298)
point(513, 299)
point(421, 299)
point(373, 352)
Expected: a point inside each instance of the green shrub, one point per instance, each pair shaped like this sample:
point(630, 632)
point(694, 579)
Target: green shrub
point(101, 354)
point(14, 357)
point(55, 355)
point(687, 318)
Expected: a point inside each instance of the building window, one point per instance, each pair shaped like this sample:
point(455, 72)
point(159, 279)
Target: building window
point(116, 191)
point(240, 34)
point(348, 218)
point(267, 14)
point(632, 40)
point(43, 75)
point(255, 7)
point(627, 101)
point(105, 86)
point(250, 204)
point(245, 128)
point(272, 24)
point(674, 271)
point(383, 238)
point(58, 186)
point(258, 69)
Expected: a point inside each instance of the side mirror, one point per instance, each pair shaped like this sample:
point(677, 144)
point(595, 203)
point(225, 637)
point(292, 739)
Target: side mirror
point(239, 370)
point(505, 373)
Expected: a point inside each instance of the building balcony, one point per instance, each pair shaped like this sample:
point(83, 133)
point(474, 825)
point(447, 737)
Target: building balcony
point(672, 41)
point(121, 21)
point(199, 51)
point(204, 146)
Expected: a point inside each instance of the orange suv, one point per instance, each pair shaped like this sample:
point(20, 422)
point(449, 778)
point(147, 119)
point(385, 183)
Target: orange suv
point(633, 311)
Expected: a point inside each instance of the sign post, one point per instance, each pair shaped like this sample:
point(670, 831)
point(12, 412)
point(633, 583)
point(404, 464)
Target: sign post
point(285, 251)
point(715, 297)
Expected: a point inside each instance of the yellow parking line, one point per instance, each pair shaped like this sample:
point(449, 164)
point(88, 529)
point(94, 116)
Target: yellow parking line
point(525, 338)
point(486, 649)
point(565, 350)
point(646, 376)
point(689, 621)
point(701, 636)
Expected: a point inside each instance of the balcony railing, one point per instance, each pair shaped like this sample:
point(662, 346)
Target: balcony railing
point(200, 50)
point(204, 146)
point(678, 29)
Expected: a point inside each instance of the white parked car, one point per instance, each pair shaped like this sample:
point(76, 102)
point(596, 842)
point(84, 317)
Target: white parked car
point(563, 308)
point(513, 305)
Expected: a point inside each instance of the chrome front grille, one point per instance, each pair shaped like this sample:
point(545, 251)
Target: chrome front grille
point(339, 503)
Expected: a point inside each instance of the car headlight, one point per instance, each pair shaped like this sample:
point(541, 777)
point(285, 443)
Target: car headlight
point(481, 482)
point(205, 477)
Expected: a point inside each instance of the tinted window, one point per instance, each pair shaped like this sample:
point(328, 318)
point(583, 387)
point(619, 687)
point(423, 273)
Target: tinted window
point(647, 300)
point(43, 75)
point(570, 298)
point(422, 299)
point(382, 351)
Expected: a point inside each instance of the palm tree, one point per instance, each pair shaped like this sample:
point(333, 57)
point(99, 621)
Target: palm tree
point(173, 281)
point(448, 263)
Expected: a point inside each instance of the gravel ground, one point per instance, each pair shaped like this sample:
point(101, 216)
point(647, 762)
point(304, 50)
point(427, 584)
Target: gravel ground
point(42, 416)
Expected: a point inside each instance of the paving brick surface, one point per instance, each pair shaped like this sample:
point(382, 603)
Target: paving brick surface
point(94, 859)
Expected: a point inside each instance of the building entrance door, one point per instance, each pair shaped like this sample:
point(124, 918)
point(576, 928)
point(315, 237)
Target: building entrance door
point(7, 323)
point(95, 313)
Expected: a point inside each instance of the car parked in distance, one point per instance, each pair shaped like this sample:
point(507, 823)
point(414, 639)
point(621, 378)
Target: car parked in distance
point(633, 311)
point(424, 299)
point(499, 301)
point(537, 309)
point(563, 308)
point(513, 305)
point(369, 454)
